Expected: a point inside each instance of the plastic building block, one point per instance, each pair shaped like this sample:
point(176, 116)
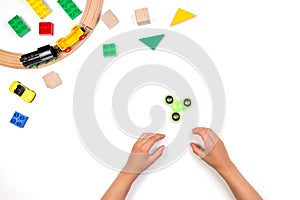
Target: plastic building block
point(110, 19)
point(19, 119)
point(39, 8)
point(46, 28)
point(181, 16)
point(70, 8)
point(19, 26)
point(52, 80)
point(152, 42)
point(142, 16)
point(109, 50)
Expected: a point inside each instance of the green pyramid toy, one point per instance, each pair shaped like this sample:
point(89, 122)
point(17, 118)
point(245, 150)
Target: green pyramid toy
point(153, 41)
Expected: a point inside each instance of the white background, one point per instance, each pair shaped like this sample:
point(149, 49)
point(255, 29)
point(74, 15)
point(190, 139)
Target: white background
point(255, 47)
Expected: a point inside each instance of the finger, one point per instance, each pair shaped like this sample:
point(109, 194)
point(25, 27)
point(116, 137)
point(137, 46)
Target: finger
point(196, 149)
point(151, 140)
point(202, 131)
point(145, 136)
point(157, 154)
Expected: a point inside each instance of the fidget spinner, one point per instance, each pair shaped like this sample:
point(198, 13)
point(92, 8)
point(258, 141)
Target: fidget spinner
point(177, 107)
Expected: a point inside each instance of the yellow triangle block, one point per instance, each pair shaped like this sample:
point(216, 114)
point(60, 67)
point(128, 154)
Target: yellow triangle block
point(181, 16)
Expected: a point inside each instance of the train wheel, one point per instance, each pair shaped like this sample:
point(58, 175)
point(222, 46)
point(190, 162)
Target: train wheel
point(44, 62)
point(82, 37)
point(54, 58)
point(68, 49)
point(34, 66)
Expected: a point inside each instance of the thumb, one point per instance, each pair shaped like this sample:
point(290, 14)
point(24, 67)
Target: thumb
point(157, 154)
point(196, 149)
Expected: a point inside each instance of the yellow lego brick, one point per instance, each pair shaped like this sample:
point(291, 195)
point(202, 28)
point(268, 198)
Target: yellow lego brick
point(39, 8)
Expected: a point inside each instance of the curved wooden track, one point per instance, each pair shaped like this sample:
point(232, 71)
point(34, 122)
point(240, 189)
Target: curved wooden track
point(89, 19)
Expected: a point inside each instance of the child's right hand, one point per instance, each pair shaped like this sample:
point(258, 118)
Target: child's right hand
point(214, 153)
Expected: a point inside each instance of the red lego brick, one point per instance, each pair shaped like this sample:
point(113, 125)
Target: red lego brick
point(46, 28)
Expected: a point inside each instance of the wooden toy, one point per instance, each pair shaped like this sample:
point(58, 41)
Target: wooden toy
point(110, 19)
point(52, 80)
point(142, 16)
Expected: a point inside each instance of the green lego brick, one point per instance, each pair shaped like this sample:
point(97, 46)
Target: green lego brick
point(70, 8)
point(109, 50)
point(19, 26)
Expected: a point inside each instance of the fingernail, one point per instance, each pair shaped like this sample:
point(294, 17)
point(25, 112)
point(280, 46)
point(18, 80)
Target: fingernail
point(162, 147)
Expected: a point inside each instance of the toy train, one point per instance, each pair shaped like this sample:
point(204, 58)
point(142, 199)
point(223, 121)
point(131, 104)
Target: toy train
point(48, 53)
point(41, 56)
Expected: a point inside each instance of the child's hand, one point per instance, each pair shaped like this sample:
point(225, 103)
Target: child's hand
point(140, 158)
point(214, 153)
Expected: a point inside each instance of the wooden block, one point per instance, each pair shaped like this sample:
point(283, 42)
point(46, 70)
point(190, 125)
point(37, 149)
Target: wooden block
point(52, 80)
point(142, 16)
point(110, 19)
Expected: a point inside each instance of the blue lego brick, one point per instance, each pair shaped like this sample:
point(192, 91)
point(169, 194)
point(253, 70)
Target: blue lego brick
point(19, 119)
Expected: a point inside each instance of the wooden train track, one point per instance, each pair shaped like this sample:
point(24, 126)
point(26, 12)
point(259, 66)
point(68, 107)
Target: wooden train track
point(89, 19)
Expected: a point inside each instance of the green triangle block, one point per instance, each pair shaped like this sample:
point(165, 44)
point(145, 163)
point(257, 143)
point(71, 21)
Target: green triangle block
point(152, 41)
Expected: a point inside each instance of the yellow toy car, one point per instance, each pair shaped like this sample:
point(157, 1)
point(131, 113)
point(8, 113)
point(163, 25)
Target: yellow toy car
point(66, 43)
point(22, 91)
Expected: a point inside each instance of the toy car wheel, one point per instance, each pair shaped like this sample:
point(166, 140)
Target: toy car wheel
point(176, 116)
point(82, 37)
point(68, 49)
point(169, 99)
point(187, 102)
